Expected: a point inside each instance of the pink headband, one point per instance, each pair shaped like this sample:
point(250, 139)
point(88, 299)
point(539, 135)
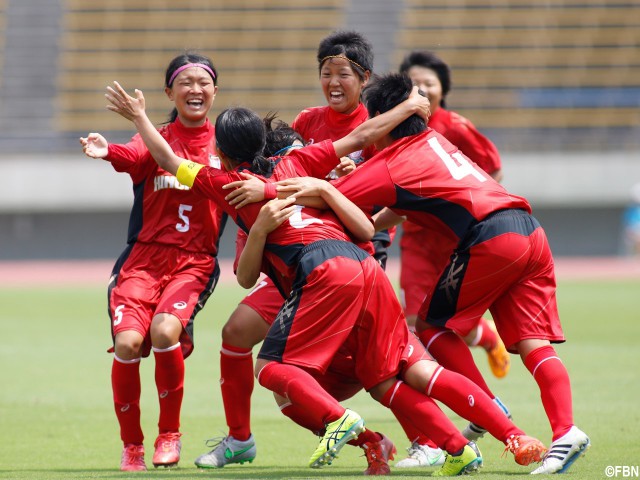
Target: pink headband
point(189, 65)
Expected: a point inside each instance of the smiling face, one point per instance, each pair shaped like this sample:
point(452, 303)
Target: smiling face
point(341, 85)
point(193, 92)
point(427, 80)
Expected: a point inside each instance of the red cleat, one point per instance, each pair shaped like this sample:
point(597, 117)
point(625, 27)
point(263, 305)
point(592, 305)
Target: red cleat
point(167, 452)
point(132, 458)
point(378, 455)
point(525, 449)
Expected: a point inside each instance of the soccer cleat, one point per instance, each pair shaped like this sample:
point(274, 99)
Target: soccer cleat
point(525, 449)
point(499, 358)
point(337, 434)
point(564, 451)
point(378, 455)
point(473, 432)
point(132, 458)
point(227, 450)
point(422, 456)
point(466, 462)
point(167, 452)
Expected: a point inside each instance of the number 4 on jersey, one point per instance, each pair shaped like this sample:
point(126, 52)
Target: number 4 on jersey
point(458, 166)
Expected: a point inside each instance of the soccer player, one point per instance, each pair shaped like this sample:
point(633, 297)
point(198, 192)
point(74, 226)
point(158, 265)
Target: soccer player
point(345, 63)
point(169, 268)
point(420, 266)
point(247, 326)
point(502, 261)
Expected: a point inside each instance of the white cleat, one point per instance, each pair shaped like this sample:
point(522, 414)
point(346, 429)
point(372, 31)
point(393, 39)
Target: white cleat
point(226, 450)
point(564, 451)
point(422, 456)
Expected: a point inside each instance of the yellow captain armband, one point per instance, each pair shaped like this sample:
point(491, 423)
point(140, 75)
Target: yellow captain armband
point(187, 172)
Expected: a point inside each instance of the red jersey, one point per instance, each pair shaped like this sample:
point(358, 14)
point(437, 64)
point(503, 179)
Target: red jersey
point(165, 211)
point(306, 226)
point(464, 135)
point(427, 178)
point(323, 123)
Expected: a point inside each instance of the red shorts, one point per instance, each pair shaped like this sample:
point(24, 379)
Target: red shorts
point(505, 267)
point(265, 299)
point(422, 260)
point(149, 279)
point(341, 380)
point(339, 288)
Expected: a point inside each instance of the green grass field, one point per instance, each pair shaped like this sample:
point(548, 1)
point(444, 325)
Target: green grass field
point(57, 420)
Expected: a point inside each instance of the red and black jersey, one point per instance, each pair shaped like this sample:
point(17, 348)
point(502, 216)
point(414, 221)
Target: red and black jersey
point(427, 178)
point(464, 135)
point(165, 211)
point(306, 226)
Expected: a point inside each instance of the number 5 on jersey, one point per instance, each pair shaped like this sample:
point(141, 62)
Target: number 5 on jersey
point(184, 226)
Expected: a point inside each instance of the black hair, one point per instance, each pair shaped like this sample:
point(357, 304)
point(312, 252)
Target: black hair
point(427, 59)
point(279, 135)
point(241, 136)
point(352, 45)
point(179, 61)
point(387, 91)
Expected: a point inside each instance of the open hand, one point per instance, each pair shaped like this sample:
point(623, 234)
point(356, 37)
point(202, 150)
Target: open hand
point(249, 190)
point(124, 104)
point(94, 145)
point(302, 186)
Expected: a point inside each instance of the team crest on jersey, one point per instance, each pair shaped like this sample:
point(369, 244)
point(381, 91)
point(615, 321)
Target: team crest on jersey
point(214, 161)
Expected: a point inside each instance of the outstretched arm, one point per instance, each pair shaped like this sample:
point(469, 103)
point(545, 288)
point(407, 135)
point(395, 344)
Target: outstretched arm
point(271, 216)
point(134, 109)
point(379, 126)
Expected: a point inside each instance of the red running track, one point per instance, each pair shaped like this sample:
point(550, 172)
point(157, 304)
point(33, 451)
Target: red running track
point(96, 272)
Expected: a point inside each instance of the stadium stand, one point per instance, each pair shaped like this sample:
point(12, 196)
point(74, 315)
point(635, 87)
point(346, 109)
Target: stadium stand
point(264, 51)
point(521, 66)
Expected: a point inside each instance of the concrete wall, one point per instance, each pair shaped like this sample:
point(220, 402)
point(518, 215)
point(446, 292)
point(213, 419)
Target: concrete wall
point(74, 207)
